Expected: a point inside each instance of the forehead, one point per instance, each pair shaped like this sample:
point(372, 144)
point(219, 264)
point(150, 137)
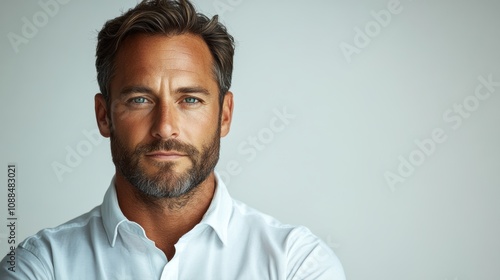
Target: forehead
point(141, 56)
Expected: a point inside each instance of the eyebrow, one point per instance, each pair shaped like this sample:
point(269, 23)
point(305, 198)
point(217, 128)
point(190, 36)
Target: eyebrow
point(143, 89)
point(135, 89)
point(192, 90)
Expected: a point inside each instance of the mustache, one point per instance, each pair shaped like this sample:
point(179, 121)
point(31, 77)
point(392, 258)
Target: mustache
point(167, 145)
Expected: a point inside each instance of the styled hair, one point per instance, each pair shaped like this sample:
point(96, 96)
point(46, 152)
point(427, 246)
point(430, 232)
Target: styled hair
point(165, 17)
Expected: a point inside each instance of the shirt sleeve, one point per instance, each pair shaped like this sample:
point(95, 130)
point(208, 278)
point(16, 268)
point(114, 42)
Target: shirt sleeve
point(309, 258)
point(23, 265)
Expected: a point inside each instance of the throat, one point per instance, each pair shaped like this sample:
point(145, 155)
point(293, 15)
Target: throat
point(168, 249)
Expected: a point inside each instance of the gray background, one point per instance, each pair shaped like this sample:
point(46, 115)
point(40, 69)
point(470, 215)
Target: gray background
point(355, 118)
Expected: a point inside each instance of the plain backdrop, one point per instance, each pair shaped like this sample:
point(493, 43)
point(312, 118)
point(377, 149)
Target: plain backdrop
point(374, 123)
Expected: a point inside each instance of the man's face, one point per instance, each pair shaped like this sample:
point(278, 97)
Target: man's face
point(165, 122)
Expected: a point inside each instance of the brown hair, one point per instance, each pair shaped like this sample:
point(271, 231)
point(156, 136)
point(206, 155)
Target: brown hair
point(166, 17)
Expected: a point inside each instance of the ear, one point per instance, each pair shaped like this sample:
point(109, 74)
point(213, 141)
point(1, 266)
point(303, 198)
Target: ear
point(101, 115)
point(227, 114)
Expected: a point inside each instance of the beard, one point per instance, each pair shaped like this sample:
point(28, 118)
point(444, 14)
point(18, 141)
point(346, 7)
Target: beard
point(165, 182)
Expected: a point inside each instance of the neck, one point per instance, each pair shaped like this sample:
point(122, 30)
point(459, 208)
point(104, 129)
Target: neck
point(165, 220)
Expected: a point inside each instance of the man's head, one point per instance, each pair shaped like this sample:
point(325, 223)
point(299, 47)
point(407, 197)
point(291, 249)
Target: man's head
point(164, 72)
point(165, 17)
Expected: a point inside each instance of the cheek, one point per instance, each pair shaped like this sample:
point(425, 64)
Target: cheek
point(200, 128)
point(130, 126)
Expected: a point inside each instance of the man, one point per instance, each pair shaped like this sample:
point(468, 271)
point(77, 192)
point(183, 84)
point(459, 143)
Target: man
point(164, 73)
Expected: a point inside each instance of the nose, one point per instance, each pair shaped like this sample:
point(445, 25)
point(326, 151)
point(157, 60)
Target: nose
point(165, 123)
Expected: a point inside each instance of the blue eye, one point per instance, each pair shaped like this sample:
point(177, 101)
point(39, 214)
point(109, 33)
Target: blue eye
point(190, 100)
point(139, 100)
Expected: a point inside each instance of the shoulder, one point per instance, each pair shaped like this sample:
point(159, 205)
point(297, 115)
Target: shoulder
point(252, 220)
point(66, 232)
point(309, 257)
point(246, 212)
point(305, 254)
point(34, 256)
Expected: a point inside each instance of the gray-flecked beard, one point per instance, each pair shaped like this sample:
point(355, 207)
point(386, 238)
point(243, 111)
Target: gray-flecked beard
point(165, 183)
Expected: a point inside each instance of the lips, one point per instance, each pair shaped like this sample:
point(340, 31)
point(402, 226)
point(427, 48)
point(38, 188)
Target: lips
point(165, 155)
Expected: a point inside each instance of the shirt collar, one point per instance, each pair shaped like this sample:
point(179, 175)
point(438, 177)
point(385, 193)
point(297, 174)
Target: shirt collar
point(217, 216)
point(112, 215)
point(220, 210)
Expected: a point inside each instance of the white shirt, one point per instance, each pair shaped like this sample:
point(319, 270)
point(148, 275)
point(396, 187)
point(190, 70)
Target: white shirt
point(232, 241)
